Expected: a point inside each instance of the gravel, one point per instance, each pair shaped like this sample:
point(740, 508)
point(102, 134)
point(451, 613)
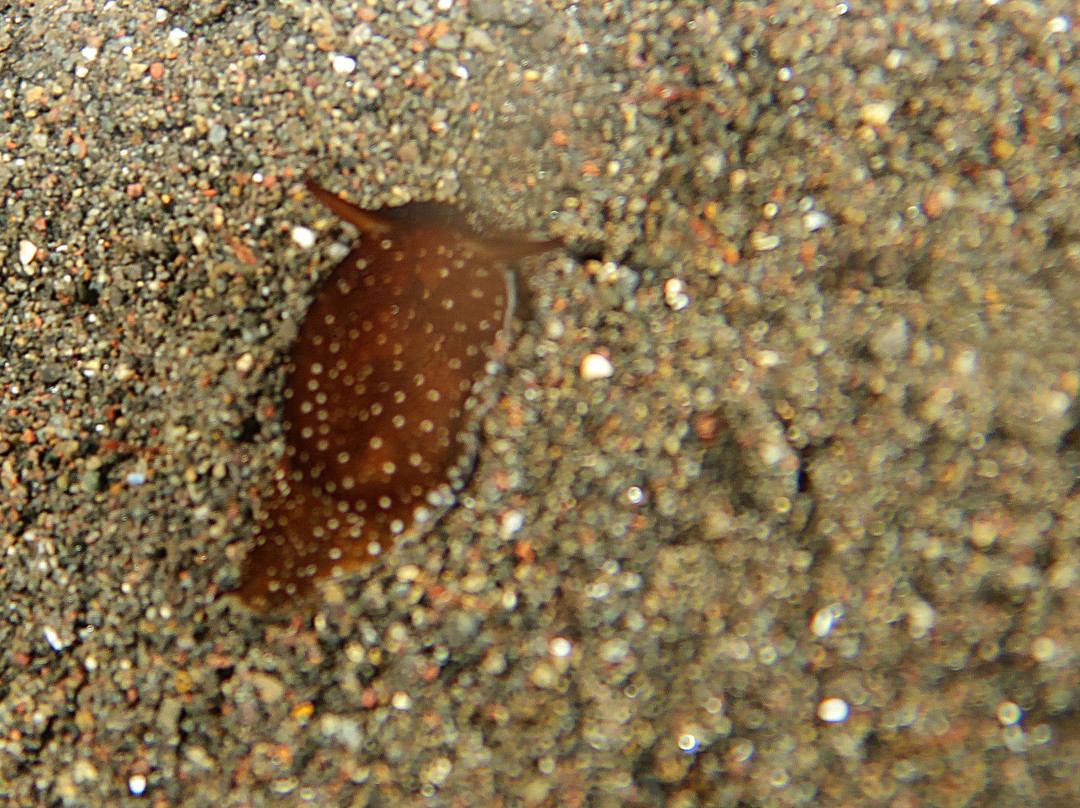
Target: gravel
point(811, 542)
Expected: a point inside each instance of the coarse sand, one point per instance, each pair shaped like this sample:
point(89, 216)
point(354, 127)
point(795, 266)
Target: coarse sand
point(777, 506)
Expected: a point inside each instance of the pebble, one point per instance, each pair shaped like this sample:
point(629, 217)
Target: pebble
point(891, 340)
point(137, 784)
point(1009, 713)
point(84, 772)
point(814, 221)
point(217, 134)
point(675, 295)
point(833, 711)
point(343, 64)
point(303, 237)
point(245, 363)
point(52, 637)
point(877, 114)
point(824, 619)
point(764, 242)
point(511, 522)
point(768, 359)
point(595, 367)
point(479, 39)
point(27, 252)
point(1058, 25)
point(560, 647)
point(361, 35)
point(614, 651)
point(687, 742)
point(448, 42)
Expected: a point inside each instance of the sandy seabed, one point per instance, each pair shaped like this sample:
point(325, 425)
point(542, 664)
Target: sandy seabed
point(813, 542)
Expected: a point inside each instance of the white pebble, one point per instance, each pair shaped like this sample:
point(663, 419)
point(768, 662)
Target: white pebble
point(771, 452)
point(675, 295)
point(512, 521)
point(814, 220)
point(343, 64)
point(921, 619)
point(245, 364)
point(560, 647)
point(89, 53)
point(688, 742)
point(965, 362)
point(824, 619)
point(27, 252)
point(1058, 25)
point(304, 237)
point(764, 242)
point(833, 711)
point(877, 114)
point(767, 359)
point(53, 638)
point(596, 366)
point(1009, 713)
point(401, 701)
point(176, 36)
point(1056, 403)
point(137, 784)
